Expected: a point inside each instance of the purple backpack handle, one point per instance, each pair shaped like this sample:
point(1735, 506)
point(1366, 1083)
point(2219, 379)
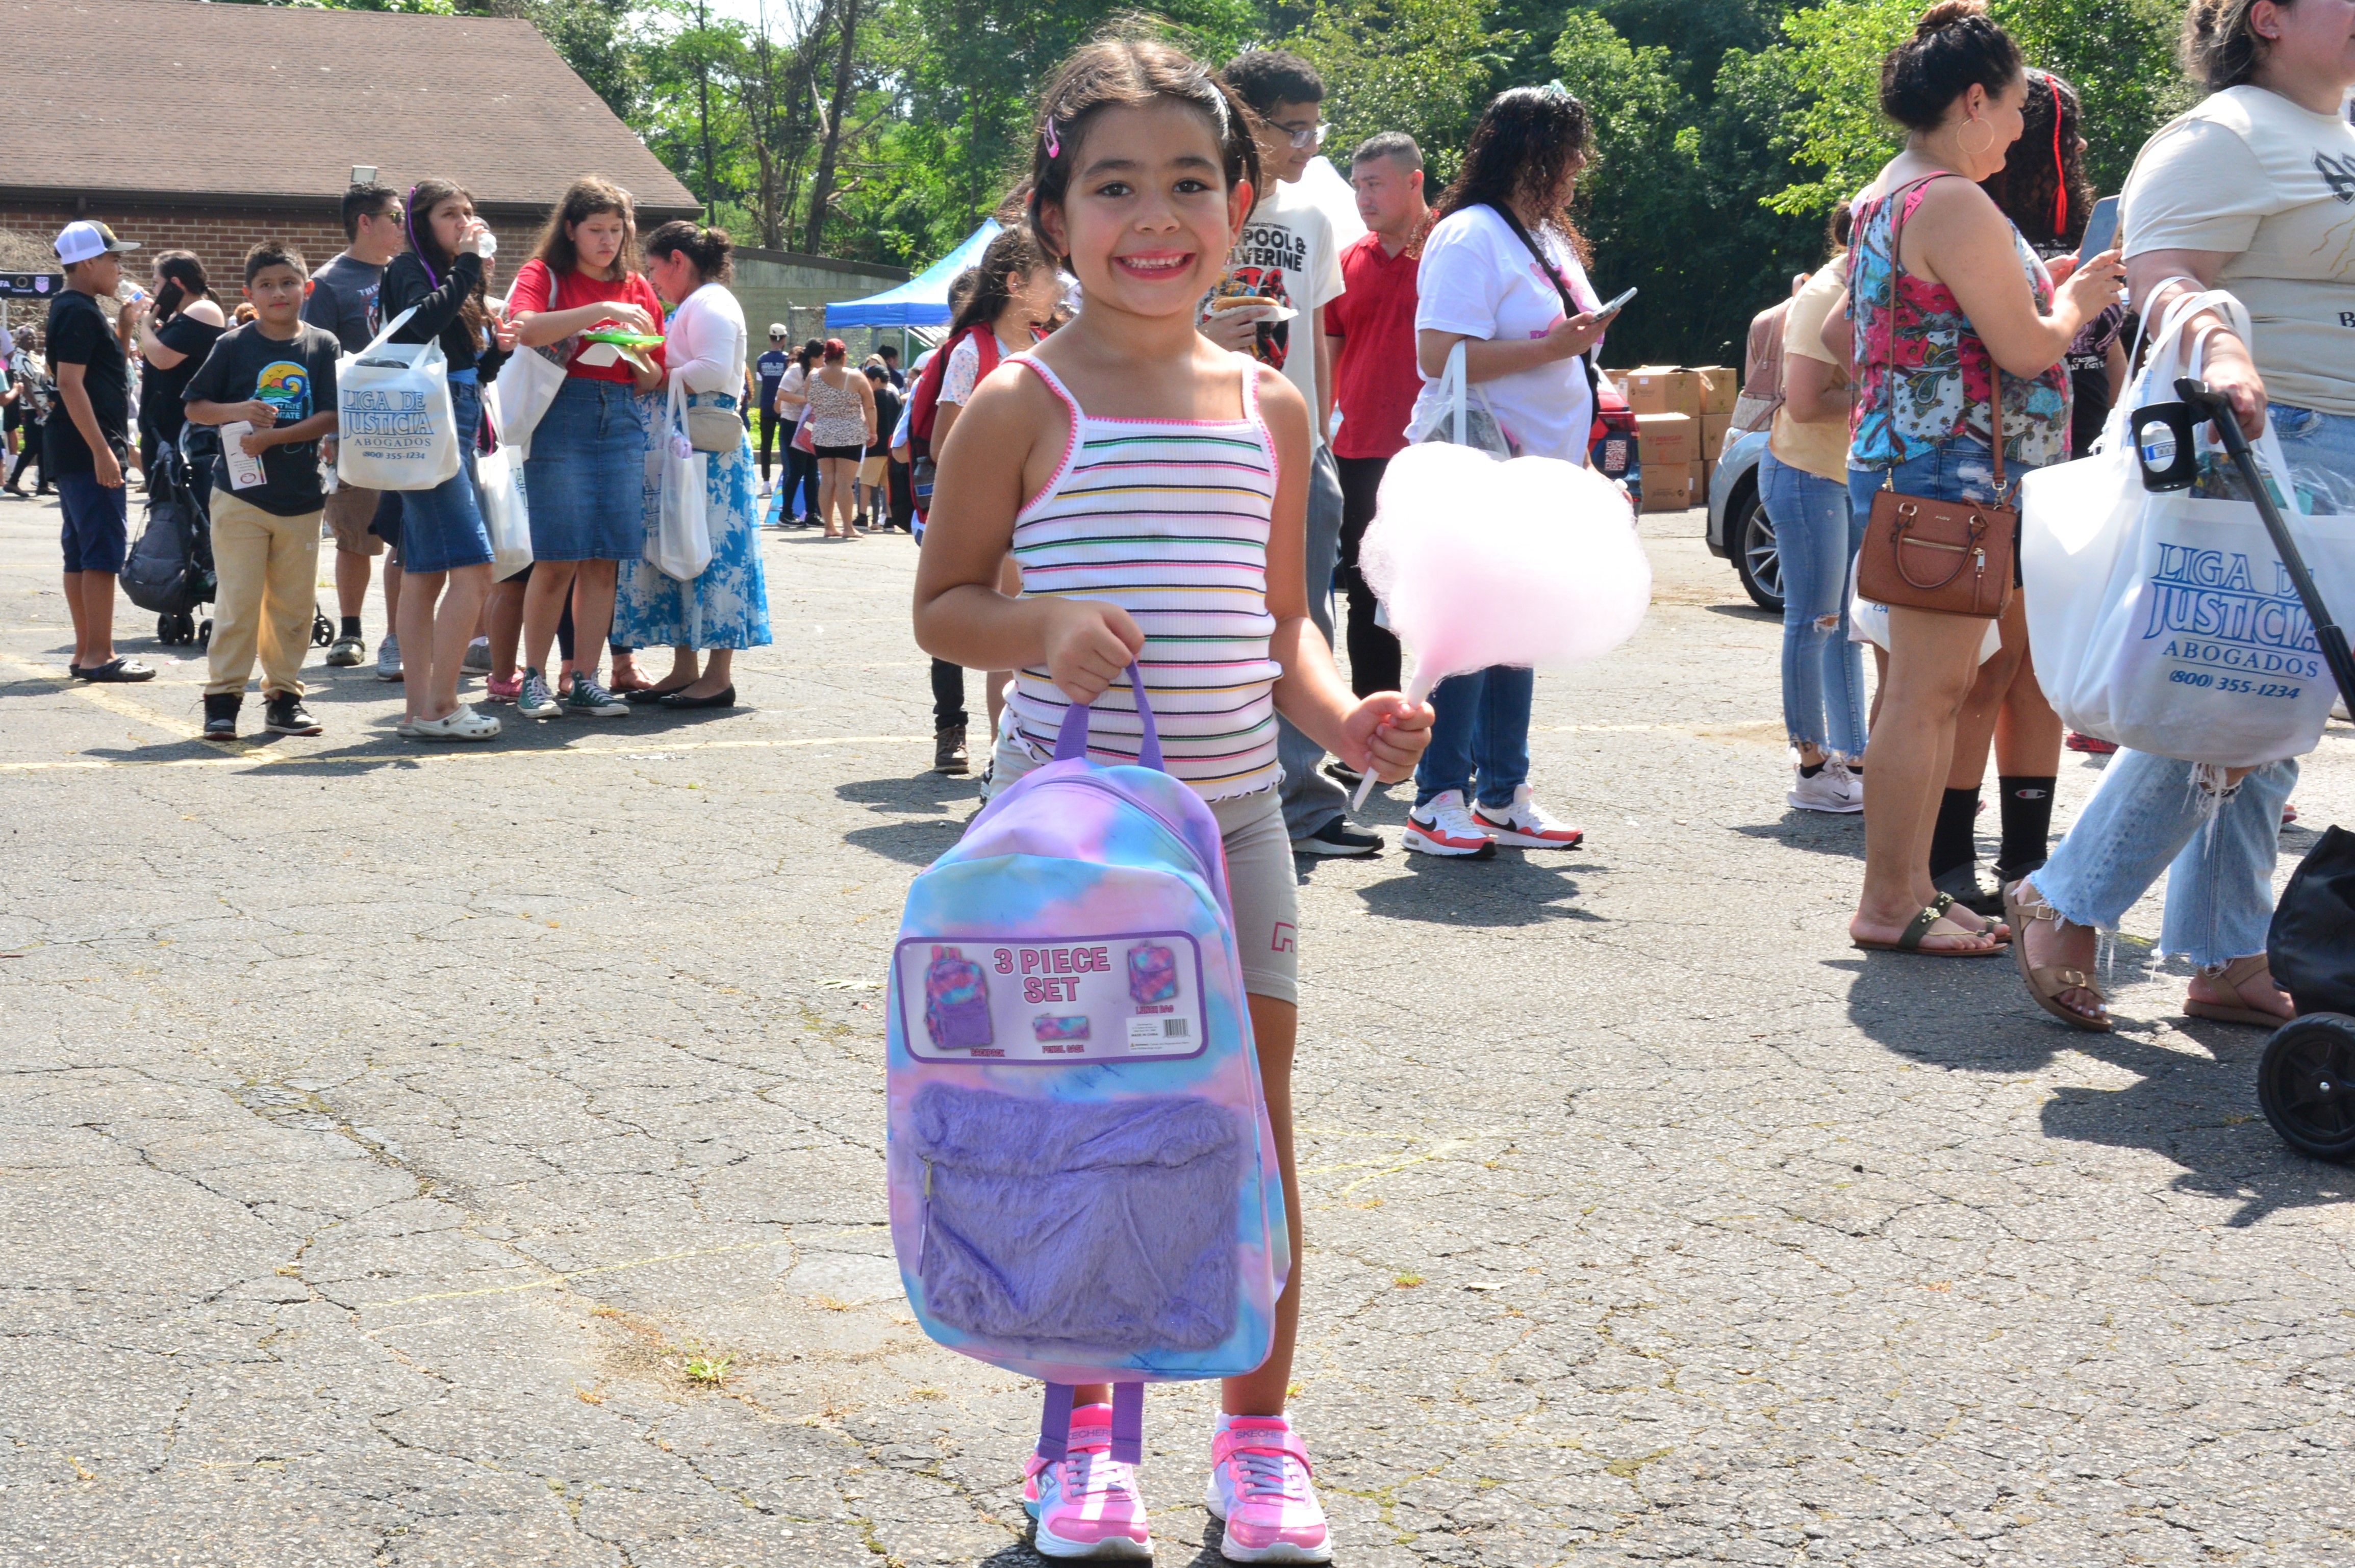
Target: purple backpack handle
point(1073, 739)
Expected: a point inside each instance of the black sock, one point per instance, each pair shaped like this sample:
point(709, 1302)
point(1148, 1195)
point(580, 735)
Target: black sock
point(351, 626)
point(2027, 807)
point(1806, 771)
point(1951, 841)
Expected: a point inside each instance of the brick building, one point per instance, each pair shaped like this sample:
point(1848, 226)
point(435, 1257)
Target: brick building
point(206, 128)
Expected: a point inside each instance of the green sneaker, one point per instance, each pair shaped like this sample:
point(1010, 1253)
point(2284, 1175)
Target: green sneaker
point(586, 699)
point(534, 700)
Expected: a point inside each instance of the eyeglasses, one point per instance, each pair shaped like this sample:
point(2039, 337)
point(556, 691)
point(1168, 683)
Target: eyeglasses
point(1307, 135)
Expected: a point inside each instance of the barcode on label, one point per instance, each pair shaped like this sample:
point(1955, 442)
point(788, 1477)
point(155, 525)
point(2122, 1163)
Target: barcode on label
point(1173, 1028)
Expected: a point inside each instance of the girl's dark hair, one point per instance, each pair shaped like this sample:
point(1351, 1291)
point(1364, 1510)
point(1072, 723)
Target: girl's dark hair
point(2220, 45)
point(1122, 72)
point(1529, 143)
point(1836, 230)
point(583, 199)
point(423, 197)
point(1955, 45)
point(1010, 259)
point(2042, 187)
point(184, 280)
point(708, 249)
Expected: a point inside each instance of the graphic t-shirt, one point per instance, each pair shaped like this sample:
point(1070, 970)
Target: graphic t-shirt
point(772, 369)
point(296, 376)
point(533, 290)
point(1286, 254)
point(80, 335)
point(1478, 280)
point(2252, 173)
point(343, 295)
point(1374, 373)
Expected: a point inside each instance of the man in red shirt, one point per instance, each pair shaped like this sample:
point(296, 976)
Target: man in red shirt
point(1374, 375)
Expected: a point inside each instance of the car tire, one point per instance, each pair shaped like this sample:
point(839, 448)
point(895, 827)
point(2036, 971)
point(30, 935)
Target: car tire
point(1751, 538)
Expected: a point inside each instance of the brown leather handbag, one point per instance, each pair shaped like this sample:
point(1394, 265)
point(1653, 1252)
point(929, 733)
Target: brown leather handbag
point(1950, 557)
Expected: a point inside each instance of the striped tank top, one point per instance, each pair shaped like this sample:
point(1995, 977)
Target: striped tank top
point(1168, 519)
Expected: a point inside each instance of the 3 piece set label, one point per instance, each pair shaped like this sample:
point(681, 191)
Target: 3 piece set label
point(1128, 998)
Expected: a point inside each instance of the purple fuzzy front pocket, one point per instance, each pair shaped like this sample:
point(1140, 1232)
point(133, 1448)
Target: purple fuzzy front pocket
point(1105, 1226)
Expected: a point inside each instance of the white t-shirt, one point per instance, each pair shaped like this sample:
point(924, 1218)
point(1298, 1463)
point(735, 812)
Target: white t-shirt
point(2251, 173)
point(1286, 253)
point(964, 369)
point(1477, 279)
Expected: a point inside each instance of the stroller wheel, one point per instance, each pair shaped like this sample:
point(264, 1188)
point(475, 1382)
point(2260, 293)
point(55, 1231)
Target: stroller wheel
point(204, 633)
point(165, 626)
point(2306, 1082)
point(322, 631)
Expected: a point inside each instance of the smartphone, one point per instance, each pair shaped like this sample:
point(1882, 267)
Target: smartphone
point(1612, 307)
point(2100, 229)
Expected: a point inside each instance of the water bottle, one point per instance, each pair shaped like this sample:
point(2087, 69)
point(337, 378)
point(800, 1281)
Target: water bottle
point(486, 245)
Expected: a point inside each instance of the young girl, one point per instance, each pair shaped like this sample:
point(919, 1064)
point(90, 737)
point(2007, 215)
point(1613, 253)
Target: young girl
point(842, 427)
point(588, 456)
point(1142, 176)
point(445, 548)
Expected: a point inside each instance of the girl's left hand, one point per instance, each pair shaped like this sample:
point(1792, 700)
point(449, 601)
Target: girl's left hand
point(505, 332)
point(1385, 734)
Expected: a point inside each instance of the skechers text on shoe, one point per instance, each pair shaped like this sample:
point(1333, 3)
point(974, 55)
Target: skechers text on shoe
point(1260, 1488)
point(1086, 1503)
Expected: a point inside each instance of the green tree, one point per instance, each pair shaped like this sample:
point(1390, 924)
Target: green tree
point(1418, 65)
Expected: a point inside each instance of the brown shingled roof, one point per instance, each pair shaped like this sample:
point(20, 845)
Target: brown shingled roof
point(174, 99)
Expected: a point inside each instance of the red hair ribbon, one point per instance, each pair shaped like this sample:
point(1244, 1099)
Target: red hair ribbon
point(2059, 171)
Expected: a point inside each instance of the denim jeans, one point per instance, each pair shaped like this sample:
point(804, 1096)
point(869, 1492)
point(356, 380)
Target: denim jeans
point(1311, 798)
point(2148, 817)
point(1959, 468)
point(2313, 442)
point(1817, 534)
point(1480, 725)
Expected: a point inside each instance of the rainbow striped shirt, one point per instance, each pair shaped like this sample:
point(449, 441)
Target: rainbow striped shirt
point(1168, 519)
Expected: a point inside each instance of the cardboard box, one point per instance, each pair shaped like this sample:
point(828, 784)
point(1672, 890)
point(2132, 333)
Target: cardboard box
point(1712, 434)
point(1669, 488)
point(1662, 389)
point(1666, 440)
point(1719, 387)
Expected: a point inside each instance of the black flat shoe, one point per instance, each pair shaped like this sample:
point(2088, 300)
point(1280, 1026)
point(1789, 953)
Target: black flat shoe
point(723, 698)
point(645, 696)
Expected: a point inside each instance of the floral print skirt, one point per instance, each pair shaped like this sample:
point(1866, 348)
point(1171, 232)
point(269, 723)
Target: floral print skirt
point(727, 605)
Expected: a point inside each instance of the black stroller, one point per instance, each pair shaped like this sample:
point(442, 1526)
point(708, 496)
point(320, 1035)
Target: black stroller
point(170, 569)
point(2306, 1080)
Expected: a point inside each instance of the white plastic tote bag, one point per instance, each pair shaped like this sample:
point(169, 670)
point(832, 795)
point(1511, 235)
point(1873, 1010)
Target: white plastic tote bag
point(394, 427)
point(499, 489)
point(1459, 414)
point(527, 384)
point(679, 544)
point(2166, 622)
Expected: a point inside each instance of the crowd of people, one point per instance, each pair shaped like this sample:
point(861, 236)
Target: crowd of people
point(1154, 438)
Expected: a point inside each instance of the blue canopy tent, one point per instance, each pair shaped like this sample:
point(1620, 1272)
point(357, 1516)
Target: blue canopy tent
point(923, 300)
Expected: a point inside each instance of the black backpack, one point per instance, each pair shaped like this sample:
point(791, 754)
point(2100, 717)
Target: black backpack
point(169, 570)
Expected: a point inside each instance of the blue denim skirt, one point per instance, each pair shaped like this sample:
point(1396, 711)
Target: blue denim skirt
point(585, 474)
point(443, 528)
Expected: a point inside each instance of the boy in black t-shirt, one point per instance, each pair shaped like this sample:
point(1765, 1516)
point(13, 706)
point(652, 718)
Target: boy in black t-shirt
point(277, 375)
point(87, 441)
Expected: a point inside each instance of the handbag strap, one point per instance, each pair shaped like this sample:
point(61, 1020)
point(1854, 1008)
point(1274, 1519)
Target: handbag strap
point(1889, 380)
point(1569, 306)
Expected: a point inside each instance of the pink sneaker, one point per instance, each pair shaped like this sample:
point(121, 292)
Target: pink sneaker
point(1260, 1488)
point(1086, 1503)
point(498, 691)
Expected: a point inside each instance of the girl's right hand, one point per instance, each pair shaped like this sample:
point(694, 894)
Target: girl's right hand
point(630, 317)
point(1089, 645)
point(2094, 286)
point(1571, 337)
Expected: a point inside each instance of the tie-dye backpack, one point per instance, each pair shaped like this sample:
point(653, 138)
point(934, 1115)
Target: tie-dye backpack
point(1084, 1180)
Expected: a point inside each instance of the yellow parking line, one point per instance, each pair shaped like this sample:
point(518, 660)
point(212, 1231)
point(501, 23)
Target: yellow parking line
point(107, 697)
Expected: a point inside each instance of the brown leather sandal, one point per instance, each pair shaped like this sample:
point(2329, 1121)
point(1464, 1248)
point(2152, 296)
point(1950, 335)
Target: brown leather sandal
point(2229, 977)
point(2046, 983)
point(1998, 929)
point(1909, 939)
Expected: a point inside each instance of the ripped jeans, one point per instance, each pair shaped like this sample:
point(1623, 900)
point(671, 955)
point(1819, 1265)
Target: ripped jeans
point(1817, 534)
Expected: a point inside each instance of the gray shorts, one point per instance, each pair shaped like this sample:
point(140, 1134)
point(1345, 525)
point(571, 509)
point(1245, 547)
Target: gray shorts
point(1260, 880)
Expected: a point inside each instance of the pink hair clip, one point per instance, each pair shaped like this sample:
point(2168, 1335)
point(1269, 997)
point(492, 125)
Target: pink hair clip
point(1054, 142)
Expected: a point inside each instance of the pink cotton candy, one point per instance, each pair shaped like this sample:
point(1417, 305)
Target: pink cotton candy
point(1532, 561)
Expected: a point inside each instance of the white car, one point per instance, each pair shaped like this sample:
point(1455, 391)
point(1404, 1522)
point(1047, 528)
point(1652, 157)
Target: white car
point(1739, 528)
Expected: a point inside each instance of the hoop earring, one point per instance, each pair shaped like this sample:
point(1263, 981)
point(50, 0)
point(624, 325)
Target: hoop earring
point(1984, 148)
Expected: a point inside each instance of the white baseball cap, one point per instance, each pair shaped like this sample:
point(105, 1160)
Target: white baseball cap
point(81, 241)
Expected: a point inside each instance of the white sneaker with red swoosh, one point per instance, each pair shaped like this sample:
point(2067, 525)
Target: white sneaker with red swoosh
point(1522, 823)
point(1441, 825)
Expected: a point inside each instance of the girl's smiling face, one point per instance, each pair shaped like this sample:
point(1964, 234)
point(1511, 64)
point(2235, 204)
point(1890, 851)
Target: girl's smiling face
point(1148, 218)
